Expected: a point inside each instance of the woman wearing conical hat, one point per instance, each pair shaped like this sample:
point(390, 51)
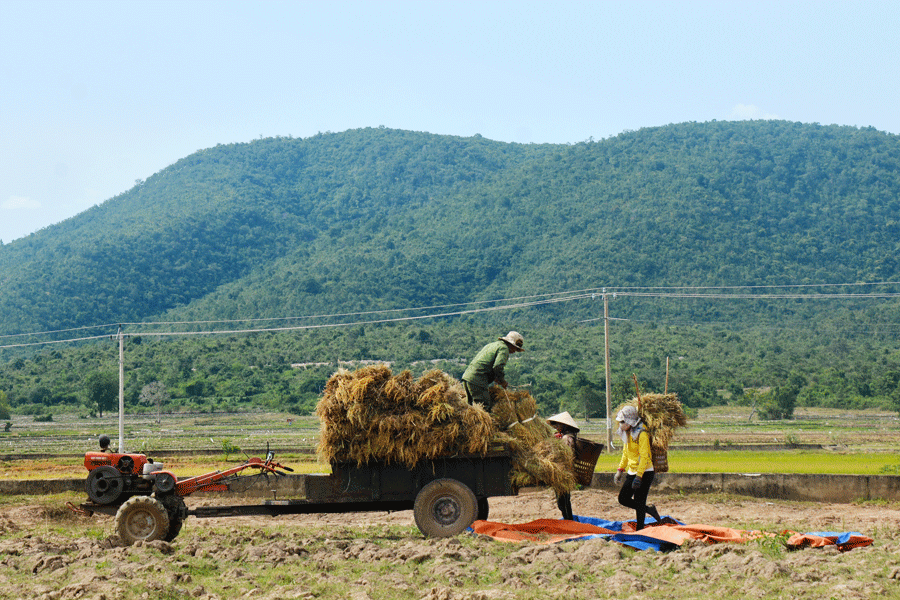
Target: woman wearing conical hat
point(566, 430)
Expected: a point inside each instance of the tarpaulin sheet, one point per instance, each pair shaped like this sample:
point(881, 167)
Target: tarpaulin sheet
point(667, 534)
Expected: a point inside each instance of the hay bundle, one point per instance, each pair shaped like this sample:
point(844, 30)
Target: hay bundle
point(539, 458)
point(662, 414)
point(370, 414)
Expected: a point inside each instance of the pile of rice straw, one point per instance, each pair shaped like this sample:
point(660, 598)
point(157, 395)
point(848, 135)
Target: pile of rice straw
point(539, 458)
point(662, 414)
point(370, 414)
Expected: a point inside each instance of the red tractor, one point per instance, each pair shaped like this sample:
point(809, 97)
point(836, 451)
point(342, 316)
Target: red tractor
point(147, 500)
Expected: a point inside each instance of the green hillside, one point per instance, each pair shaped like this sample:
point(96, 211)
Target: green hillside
point(379, 218)
point(376, 219)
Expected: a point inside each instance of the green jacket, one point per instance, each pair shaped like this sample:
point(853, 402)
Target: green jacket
point(488, 364)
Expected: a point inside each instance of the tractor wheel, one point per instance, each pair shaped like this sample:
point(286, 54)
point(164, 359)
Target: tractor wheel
point(142, 518)
point(177, 511)
point(174, 529)
point(444, 508)
point(104, 485)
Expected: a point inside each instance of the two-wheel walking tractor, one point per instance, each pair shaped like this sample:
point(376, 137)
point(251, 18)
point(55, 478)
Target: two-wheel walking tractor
point(446, 494)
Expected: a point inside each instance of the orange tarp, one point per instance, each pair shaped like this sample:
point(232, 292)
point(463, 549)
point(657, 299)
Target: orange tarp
point(541, 530)
point(668, 533)
point(846, 541)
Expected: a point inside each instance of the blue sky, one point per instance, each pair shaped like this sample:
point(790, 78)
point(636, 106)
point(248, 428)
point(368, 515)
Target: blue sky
point(98, 94)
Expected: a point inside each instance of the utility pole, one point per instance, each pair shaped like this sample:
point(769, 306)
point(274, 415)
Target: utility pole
point(121, 337)
point(609, 443)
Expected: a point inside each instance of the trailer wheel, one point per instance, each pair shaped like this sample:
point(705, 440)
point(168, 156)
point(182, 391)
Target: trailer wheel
point(142, 518)
point(444, 508)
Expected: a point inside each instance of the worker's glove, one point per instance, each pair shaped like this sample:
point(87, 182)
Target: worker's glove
point(636, 484)
point(617, 478)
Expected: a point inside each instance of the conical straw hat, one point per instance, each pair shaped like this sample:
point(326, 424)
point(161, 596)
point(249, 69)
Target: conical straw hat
point(566, 419)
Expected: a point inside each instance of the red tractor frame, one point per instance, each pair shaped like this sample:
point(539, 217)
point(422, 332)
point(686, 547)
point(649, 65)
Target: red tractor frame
point(147, 500)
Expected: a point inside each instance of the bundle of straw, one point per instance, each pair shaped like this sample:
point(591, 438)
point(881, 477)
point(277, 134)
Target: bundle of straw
point(539, 458)
point(662, 414)
point(371, 414)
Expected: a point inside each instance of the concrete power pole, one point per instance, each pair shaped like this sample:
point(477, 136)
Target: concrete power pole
point(609, 443)
point(121, 337)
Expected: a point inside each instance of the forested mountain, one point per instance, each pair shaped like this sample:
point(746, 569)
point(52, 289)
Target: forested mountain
point(377, 218)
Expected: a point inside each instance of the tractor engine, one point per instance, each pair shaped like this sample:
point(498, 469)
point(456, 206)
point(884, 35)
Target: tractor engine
point(113, 478)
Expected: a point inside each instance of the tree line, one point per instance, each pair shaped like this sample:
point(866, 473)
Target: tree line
point(563, 367)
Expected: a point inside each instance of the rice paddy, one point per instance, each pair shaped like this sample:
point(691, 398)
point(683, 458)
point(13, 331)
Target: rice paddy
point(716, 439)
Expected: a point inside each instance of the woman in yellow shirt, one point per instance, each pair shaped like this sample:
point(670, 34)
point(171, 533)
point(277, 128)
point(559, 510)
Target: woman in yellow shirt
point(636, 466)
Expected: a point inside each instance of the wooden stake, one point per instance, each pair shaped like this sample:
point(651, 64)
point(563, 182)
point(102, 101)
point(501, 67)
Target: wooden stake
point(667, 375)
point(638, 390)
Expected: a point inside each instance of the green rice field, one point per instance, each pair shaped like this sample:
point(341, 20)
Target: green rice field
point(786, 461)
point(717, 440)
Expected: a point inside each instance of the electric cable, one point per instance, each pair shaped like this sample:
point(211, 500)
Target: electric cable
point(526, 301)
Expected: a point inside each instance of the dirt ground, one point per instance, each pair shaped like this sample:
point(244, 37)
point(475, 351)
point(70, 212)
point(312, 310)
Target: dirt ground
point(51, 554)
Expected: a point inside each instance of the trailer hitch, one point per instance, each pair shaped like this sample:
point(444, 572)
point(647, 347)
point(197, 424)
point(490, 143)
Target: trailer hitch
point(80, 511)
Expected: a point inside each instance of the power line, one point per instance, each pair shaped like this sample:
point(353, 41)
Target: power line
point(318, 326)
point(356, 323)
point(611, 289)
point(66, 341)
point(758, 296)
point(9, 335)
point(527, 301)
point(560, 295)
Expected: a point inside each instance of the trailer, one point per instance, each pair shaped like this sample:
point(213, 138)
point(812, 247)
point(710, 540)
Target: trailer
point(446, 494)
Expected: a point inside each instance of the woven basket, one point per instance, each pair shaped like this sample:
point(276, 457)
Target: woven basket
point(586, 454)
point(660, 459)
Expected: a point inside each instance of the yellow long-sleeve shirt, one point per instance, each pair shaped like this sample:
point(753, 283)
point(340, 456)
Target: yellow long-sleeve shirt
point(636, 457)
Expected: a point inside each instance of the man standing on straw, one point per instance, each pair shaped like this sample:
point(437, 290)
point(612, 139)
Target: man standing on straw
point(487, 367)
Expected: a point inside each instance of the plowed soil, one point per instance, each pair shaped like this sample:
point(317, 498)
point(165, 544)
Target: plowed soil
point(47, 552)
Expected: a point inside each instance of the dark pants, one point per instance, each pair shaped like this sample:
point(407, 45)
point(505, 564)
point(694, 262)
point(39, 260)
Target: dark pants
point(478, 394)
point(564, 503)
point(636, 499)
